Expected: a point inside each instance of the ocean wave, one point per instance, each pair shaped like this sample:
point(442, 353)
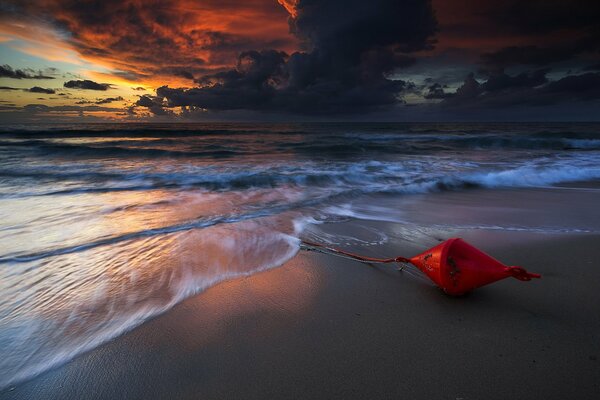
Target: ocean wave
point(338, 186)
point(427, 142)
point(409, 225)
point(190, 225)
point(361, 177)
point(154, 143)
point(47, 148)
point(35, 345)
point(592, 144)
point(532, 175)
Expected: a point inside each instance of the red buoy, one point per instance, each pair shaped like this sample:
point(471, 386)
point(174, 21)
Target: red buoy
point(457, 267)
point(454, 265)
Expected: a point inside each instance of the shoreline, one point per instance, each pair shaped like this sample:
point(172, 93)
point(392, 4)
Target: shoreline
point(323, 327)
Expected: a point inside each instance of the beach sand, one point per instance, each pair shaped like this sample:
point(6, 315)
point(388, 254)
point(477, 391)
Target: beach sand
point(324, 327)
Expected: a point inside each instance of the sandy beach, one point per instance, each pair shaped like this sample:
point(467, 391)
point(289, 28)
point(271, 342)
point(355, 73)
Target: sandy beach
point(323, 327)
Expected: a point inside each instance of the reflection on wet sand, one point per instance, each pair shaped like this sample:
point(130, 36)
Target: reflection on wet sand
point(268, 292)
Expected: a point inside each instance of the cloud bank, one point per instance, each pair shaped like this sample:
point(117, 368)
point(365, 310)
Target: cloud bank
point(6, 71)
point(314, 59)
point(350, 49)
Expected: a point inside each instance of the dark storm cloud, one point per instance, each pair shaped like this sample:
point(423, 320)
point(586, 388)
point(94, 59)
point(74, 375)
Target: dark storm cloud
point(436, 92)
point(535, 55)
point(557, 31)
point(8, 88)
point(545, 16)
point(503, 81)
point(514, 45)
point(6, 71)
point(86, 84)
point(595, 67)
point(350, 46)
point(531, 89)
point(37, 89)
point(574, 87)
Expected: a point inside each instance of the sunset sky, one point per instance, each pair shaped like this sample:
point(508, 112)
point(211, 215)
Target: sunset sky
point(196, 60)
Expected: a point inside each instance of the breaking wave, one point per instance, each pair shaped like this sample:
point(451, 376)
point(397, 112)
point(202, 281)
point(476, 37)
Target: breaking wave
point(358, 177)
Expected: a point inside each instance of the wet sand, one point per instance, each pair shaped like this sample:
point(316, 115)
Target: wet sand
point(322, 327)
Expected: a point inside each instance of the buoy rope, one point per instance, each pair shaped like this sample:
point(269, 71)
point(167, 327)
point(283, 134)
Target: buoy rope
point(307, 245)
point(405, 262)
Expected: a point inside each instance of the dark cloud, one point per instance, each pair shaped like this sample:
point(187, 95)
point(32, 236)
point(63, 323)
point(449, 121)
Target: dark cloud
point(87, 84)
point(36, 108)
point(574, 87)
point(139, 89)
point(350, 47)
point(534, 55)
point(436, 92)
point(108, 100)
point(595, 67)
point(526, 89)
point(37, 89)
point(556, 30)
point(545, 16)
point(515, 44)
point(154, 104)
point(6, 71)
point(184, 74)
point(502, 81)
point(130, 75)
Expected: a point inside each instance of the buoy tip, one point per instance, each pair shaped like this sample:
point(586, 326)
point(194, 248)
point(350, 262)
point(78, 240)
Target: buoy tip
point(522, 274)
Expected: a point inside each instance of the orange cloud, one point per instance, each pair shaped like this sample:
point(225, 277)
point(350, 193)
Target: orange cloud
point(290, 6)
point(154, 40)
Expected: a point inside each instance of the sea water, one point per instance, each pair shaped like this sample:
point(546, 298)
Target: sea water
point(104, 226)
